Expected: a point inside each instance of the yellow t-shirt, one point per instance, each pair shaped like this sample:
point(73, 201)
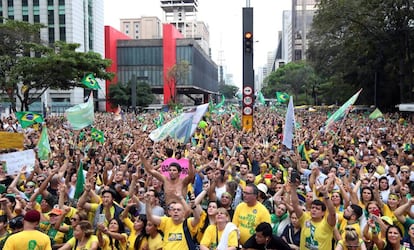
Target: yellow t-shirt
point(210, 239)
point(155, 243)
point(174, 238)
point(92, 239)
point(107, 243)
point(54, 234)
point(247, 218)
point(315, 235)
point(133, 235)
point(29, 239)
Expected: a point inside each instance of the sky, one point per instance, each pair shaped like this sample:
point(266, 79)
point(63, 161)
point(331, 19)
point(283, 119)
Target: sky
point(224, 19)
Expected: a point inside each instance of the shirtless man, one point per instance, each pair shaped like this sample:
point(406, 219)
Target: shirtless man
point(172, 185)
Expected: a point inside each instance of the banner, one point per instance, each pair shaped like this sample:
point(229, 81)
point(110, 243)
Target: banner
point(17, 160)
point(11, 140)
point(182, 127)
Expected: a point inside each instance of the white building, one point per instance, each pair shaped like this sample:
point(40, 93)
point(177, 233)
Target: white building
point(80, 21)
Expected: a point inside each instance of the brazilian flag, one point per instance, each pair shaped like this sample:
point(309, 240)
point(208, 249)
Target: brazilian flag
point(27, 118)
point(282, 97)
point(90, 82)
point(97, 135)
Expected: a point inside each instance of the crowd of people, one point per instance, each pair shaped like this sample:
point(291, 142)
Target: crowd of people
point(349, 186)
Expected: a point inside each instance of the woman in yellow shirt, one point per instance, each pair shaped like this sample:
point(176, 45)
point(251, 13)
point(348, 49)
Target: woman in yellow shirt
point(113, 236)
point(83, 238)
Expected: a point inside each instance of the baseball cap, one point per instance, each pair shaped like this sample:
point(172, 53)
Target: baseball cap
point(56, 211)
point(32, 216)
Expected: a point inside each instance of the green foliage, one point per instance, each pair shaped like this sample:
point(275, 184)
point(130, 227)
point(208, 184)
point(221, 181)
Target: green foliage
point(365, 44)
point(121, 94)
point(297, 79)
point(39, 67)
point(229, 91)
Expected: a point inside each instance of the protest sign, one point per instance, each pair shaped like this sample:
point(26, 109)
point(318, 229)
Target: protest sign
point(11, 140)
point(183, 163)
point(16, 160)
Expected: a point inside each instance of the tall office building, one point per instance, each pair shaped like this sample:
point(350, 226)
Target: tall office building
point(302, 17)
point(80, 21)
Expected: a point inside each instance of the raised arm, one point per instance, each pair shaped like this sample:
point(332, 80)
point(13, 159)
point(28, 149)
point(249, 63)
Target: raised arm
point(331, 218)
point(149, 169)
point(148, 209)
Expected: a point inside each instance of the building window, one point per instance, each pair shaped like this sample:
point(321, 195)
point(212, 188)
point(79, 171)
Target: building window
point(62, 19)
point(62, 34)
point(24, 3)
point(50, 2)
point(50, 17)
point(61, 2)
point(51, 35)
point(36, 19)
point(26, 18)
point(35, 2)
point(126, 31)
point(10, 3)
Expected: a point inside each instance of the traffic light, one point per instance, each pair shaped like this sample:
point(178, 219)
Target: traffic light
point(248, 42)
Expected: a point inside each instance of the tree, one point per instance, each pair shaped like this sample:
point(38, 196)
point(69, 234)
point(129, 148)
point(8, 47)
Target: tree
point(365, 44)
point(229, 91)
point(40, 67)
point(297, 79)
point(177, 74)
point(121, 94)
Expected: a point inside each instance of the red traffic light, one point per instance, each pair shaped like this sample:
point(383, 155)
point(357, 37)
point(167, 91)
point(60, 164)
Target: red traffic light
point(248, 35)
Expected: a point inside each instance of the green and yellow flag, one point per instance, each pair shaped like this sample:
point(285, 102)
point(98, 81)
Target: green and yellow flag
point(235, 122)
point(97, 135)
point(376, 114)
point(28, 118)
point(43, 146)
point(90, 82)
point(282, 97)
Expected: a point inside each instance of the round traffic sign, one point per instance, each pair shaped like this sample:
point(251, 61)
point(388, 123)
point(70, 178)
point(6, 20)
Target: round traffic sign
point(248, 100)
point(247, 90)
point(247, 110)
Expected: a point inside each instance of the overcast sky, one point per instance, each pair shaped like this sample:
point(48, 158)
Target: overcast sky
point(224, 18)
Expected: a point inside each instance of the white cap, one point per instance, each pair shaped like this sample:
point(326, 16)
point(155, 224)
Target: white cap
point(262, 187)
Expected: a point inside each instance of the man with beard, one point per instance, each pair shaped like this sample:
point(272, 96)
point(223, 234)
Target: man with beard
point(172, 185)
point(250, 178)
point(350, 218)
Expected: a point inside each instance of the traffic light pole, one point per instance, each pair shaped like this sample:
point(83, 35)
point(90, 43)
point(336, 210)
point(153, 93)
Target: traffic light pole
point(248, 72)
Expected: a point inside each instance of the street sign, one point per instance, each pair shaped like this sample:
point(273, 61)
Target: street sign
point(247, 122)
point(247, 90)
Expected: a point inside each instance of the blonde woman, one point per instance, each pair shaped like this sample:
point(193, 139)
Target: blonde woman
point(352, 241)
point(223, 235)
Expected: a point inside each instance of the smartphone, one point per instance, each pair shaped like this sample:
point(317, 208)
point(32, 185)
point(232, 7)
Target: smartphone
point(101, 218)
point(294, 176)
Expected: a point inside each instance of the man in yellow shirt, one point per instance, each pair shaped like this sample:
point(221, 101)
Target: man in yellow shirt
point(317, 229)
point(172, 227)
point(250, 213)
